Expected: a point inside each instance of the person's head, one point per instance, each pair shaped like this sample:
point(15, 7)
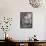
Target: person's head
point(34, 35)
point(28, 16)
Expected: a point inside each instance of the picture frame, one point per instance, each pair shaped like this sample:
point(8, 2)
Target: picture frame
point(26, 19)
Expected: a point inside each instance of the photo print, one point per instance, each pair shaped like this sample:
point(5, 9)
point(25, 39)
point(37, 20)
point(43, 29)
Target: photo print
point(26, 19)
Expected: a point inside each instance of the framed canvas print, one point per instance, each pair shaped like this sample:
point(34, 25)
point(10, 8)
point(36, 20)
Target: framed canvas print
point(26, 19)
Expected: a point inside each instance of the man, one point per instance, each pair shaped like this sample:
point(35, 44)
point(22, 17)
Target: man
point(27, 20)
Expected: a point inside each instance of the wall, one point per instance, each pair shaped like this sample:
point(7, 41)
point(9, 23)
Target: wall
point(12, 8)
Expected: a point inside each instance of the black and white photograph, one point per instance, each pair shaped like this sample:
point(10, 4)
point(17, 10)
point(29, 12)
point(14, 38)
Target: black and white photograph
point(26, 19)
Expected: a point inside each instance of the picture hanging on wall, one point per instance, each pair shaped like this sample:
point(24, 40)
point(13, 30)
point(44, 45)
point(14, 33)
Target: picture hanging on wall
point(26, 19)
